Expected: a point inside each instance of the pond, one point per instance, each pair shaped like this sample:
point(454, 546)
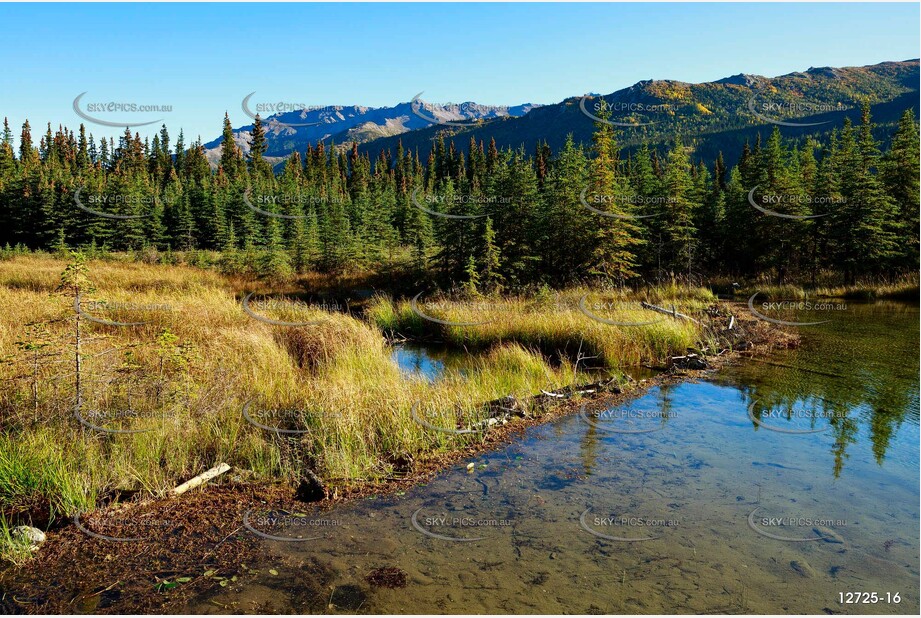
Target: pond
point(772, 487)
point(429, 360)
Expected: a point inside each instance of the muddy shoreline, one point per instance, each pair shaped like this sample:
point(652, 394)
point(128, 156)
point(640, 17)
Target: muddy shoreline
point(198, 542)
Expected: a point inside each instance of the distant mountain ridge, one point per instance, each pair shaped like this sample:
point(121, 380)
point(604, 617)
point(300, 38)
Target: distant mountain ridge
point(712, 116)
point(294, 130)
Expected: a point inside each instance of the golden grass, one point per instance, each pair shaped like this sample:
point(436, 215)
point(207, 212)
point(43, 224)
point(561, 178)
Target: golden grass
point(903, 288)
point(566, 325)
point(185, 375)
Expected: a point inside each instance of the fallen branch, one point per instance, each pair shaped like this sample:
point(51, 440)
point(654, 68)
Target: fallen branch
point(201, 479)
point(672, 312)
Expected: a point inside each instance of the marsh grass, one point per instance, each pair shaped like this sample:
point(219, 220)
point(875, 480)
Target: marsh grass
point(904, 288)
point(555, 324)
point(182, 377)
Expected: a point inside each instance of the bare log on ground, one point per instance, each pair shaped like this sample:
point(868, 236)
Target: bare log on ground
point(672, 312)
point(201, 479)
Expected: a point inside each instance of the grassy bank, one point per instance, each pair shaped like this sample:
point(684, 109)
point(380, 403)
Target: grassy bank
point(905, 288)
point(169, 354)
point(607, 328)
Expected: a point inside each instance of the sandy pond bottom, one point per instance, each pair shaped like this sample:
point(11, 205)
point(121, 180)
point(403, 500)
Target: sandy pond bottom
point(677, 502)
point(689, 488)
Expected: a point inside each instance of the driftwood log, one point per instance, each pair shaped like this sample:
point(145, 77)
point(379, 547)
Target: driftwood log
point(672, 312)
point(201, 479)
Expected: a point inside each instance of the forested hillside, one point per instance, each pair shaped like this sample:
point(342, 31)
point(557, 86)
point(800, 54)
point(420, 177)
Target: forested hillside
point(713, 117)
point(791, 206)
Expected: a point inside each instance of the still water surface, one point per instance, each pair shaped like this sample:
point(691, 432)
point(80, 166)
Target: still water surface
point(771, 487)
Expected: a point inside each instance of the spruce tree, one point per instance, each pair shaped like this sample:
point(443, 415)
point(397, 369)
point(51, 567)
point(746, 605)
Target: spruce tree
point(899, 173)
point(615, 235)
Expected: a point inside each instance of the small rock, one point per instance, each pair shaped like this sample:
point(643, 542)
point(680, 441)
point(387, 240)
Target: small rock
point(27, 534)
point(387, 577)
point(553, 555)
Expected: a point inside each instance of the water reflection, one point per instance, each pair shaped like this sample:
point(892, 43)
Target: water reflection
point(861, 371)
point(429, 361)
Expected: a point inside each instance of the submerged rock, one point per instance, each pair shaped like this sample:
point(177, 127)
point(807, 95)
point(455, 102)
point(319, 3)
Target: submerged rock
point(828, 535)
point(387, 577)
point(347, 597)
point(802, 568)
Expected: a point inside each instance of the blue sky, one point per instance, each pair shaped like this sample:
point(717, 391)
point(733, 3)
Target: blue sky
point(202, 59)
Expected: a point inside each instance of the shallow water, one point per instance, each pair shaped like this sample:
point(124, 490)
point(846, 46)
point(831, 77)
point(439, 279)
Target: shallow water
point(677, 502)
point(429, 361)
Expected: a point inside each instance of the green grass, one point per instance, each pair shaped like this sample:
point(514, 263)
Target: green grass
point(38, 468)
point(187, 373)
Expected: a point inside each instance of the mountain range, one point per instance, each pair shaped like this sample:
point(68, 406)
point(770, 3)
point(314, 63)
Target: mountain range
point(341, 124)
point(712, 116)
